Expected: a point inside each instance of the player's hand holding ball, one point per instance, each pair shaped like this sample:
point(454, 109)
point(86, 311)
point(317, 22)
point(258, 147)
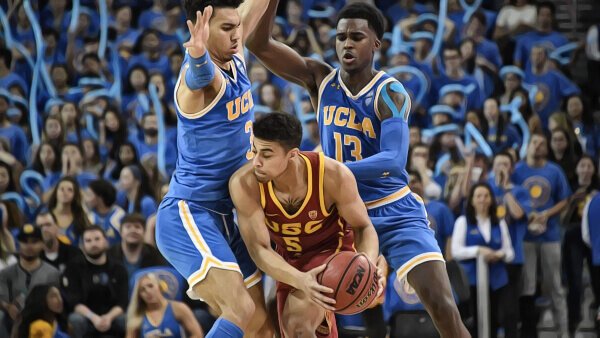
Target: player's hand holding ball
point(314, 290)
point(196, 45)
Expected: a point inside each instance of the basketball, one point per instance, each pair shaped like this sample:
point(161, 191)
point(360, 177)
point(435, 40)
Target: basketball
point(353, 279)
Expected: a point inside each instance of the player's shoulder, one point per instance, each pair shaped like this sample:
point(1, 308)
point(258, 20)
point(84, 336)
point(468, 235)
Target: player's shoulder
point(334, 171)
point(243, 179)
point(393, 96)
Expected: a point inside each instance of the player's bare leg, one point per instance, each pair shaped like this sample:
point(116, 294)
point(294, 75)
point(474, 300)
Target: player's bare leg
point(430, 281)
point(224, 291)
point(260, 325)
point(301, 317)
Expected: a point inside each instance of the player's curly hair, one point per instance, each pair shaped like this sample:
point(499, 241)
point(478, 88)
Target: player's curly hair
point(282, 128)
point(192, 6)
point(361, 10)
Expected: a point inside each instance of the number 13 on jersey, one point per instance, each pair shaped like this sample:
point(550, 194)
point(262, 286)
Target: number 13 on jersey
point(351, 141)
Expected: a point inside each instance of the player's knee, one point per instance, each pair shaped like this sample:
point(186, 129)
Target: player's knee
point(440, 301)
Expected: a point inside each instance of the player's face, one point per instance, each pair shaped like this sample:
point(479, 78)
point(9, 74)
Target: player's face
point(225, 34)
point(270, 159)
point(355, 44)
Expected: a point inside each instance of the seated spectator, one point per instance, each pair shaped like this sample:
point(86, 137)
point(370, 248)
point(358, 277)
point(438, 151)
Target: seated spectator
point(13, 133)
point(54, 132)
point(66, 206)
point(543, 35)
point(552, 86)
point(42, 315)
point(100, 198)
point(151, 314)
point(480, 233)
point(148, 53)
point(132, 252)
point(56, 250)
point(70, 116)
point(46, 161)
point(17, 279)
point(126, 155)
point(96, 289)
point(9, 77)
point(134, 194)
point(7, 179)
point(312, 140)
point(513, 205)
point(136, 97)
point(147, 144)
point(488, 54)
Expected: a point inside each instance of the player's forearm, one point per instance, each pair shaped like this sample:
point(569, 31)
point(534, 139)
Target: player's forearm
point(391, 161)
point(275, 266)
point(366, 241)
point(259, 39)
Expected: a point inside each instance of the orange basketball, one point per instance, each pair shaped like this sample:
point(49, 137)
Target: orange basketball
point(353, 279)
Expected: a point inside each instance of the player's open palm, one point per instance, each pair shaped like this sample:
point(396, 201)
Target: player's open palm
point(199, 33)
point(314, 290)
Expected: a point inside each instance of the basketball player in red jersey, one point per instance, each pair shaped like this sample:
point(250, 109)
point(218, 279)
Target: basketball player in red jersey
point(306, 202)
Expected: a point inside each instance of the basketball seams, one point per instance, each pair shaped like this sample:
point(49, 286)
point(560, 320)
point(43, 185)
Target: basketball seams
point(360, 294)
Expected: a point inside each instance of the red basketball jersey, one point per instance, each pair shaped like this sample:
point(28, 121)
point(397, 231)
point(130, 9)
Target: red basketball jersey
point(312, 229)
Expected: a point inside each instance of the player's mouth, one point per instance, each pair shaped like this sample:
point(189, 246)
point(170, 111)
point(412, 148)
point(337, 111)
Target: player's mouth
point(348, 57)
point(234, 47)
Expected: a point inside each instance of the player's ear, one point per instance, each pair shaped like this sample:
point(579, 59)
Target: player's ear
point(377, 44)
point(294, 152)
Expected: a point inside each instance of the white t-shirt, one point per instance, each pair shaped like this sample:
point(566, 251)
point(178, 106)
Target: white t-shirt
point(510, 16)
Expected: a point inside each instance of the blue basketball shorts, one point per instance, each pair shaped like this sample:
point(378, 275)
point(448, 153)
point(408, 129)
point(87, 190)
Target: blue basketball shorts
point(405, 238)
point(195, 238)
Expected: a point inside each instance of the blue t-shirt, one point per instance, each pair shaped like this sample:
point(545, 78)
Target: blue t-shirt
point(553, 87)
point(526, 41)
point(490, 51)
point(474, 99)
point(110, 222)
point(509, 138)
point(441, 220)
point(147, 204)
point(516, 228)
point(547, 186)
point(11, 79)
point(19, 146)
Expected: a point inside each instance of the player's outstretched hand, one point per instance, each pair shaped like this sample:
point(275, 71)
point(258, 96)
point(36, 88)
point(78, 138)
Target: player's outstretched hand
point(314, 290)
point(196, 45)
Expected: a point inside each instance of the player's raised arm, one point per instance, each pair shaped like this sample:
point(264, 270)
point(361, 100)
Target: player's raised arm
point(250, 12)
point(281, 59)
point(244, 191)
point(393, 107)
point(200, 81)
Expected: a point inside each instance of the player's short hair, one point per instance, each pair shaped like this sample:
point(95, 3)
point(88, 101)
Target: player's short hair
point(282, 128)
point(192, 6)
point(361, 10)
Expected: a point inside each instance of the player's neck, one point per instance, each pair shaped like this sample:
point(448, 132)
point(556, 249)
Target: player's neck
point(357, 81)
point(292, 178)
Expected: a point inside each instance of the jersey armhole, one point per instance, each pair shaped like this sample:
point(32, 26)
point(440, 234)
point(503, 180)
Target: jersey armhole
point(321, 89)
point(324, 210)
point(377, 92)
point(206, 109)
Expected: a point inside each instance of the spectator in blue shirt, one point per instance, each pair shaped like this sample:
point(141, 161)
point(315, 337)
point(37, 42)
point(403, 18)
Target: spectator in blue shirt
point(135, 194)
point(100, 198)
point(455, 74)
point(8, 77)
point(552, 86)
point(66, 206)
point(498, 131)
point(544, 35)
point(549, 192)
point(487, 50)
point(13, 134)
point(513, 206)
point(148, 53)
point(46, 160)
